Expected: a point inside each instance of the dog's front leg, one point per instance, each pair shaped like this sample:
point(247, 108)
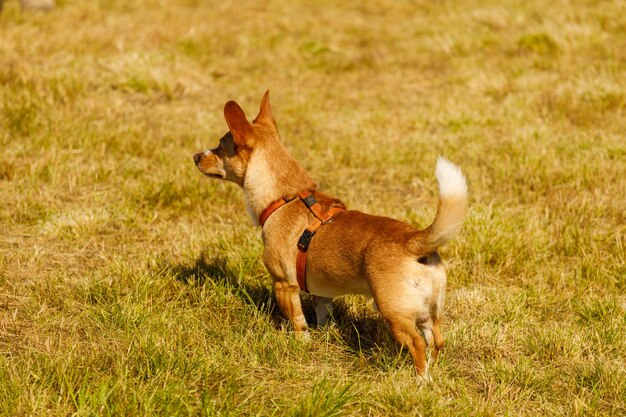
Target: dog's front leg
point(288, 298)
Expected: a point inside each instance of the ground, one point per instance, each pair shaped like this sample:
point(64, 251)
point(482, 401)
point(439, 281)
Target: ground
point(132, 285)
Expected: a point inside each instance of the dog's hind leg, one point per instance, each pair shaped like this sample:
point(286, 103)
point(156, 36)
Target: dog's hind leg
point(436, 311)
point(405, 333)
point(288, 298)
point(438, 338)
point(434, 338)
point(403, 300)
point(427, 331)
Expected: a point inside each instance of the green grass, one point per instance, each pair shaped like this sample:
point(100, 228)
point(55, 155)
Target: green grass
point(132, 285)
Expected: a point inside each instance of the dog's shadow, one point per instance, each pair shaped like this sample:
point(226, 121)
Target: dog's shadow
point(359, 329)
point(219, 272)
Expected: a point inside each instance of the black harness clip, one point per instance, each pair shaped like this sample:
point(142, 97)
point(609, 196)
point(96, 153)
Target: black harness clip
point(309, 200)
point(305, 240)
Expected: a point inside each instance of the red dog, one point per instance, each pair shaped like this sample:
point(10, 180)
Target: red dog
point(312, 242)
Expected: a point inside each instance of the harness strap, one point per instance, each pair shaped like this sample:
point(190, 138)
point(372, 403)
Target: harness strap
point(272, 208)
point(321, 217)
point(315, 207)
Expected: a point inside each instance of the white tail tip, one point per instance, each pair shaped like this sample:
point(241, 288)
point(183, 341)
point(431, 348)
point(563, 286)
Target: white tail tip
point(451, 180)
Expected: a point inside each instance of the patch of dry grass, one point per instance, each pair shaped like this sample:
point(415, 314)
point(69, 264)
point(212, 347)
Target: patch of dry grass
point(132, 285)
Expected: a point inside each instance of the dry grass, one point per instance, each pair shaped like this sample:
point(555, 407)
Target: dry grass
point(132, 285)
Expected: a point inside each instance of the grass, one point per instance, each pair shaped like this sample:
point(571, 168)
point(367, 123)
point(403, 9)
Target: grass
point(132, 285)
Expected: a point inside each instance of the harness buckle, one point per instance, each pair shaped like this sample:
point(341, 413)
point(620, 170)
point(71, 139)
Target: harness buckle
point(305, 240)
point(309, 200)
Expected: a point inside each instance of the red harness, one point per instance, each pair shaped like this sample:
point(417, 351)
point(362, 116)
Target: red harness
point(321, 217)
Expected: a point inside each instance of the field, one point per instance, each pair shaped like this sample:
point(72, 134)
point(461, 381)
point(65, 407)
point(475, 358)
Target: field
point(130, 284)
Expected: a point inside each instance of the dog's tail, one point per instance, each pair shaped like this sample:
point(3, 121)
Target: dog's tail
point(451, 212)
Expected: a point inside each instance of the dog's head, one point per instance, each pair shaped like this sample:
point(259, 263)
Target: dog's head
point(229, 160)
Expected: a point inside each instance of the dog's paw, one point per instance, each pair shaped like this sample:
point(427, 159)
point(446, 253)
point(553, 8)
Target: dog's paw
point(423, 379)
point(303, 336)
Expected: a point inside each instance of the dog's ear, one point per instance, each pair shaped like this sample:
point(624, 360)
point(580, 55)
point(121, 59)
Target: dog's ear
point(265, 113)
point(239, 126)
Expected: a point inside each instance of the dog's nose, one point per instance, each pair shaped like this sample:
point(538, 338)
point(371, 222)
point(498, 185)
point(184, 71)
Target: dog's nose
point(197, 157)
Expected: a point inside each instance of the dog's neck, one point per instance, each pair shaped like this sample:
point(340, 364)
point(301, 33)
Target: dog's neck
point(271, 175)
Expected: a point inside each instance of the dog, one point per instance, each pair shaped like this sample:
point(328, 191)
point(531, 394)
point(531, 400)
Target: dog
point(312, 242)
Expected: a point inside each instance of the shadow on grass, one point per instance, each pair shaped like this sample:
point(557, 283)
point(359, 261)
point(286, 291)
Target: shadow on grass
point(362, 333)
point(217, 270)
